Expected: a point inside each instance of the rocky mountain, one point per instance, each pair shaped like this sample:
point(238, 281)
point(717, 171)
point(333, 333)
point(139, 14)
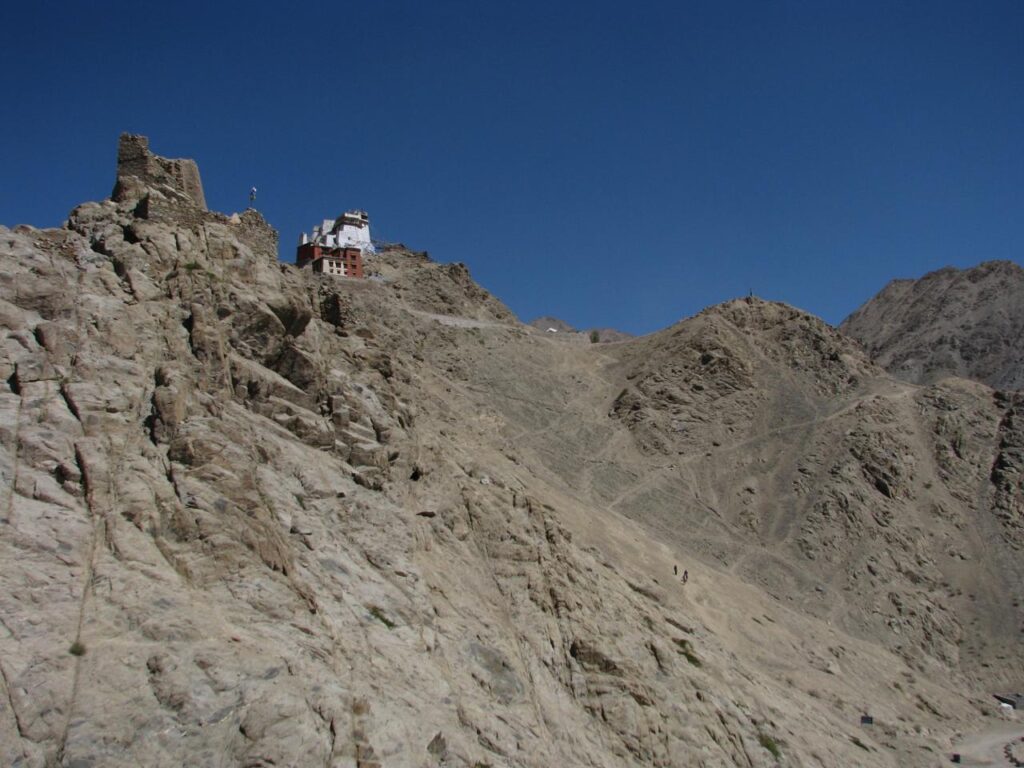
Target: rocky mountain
point(254, 516)
point(952, 322)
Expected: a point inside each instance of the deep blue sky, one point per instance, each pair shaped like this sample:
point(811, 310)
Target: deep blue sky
point(615, 164)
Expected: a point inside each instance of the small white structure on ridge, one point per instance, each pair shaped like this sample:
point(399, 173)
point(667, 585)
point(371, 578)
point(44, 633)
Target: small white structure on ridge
point(336, 246)
point(350, 230)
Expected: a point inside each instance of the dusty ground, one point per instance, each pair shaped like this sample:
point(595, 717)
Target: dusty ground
point(990, 746)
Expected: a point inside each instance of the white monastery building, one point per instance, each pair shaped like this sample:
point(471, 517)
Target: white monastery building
point(336, 247)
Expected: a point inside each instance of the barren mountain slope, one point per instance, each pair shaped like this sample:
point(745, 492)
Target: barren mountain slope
point(256, 517)
point(951, 322)
point(758, 439)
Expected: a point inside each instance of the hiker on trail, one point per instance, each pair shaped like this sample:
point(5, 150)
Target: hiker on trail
point(686, 576)
point(675, 570)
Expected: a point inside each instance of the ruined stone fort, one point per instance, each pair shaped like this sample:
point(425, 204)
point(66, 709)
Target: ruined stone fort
point(171, 191)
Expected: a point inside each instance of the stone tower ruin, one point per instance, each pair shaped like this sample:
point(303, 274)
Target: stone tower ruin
point(135, 160)
point(170, 191)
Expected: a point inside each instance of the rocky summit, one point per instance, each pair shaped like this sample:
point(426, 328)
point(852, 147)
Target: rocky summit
point(951, 322)
point(254, 516)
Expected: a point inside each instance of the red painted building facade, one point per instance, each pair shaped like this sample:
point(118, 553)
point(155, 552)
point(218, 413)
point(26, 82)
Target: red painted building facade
point(346, 261)
point(337, 246)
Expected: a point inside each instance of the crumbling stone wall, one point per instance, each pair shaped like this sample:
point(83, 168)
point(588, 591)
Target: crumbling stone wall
point(171, 192)
point(254, 231)
point(135, 159)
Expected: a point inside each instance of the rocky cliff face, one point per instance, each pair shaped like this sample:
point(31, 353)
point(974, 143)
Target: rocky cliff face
point(256, 517)
point(951, 322)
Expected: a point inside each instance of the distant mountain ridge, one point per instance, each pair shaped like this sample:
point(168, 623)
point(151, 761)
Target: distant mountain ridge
point(951, 322)
point(549, 323)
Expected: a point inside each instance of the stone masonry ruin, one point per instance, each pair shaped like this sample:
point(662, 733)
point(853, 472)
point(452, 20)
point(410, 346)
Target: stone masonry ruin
point(171, 191)
point(135, 160)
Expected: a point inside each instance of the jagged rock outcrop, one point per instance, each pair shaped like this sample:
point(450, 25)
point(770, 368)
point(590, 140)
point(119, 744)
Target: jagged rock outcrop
point(1008, 469)
point(254, 516)
point(950, 322)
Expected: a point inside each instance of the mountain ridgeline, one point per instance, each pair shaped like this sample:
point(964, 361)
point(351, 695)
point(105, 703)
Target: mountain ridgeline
point(255, 516)
point(951, 322)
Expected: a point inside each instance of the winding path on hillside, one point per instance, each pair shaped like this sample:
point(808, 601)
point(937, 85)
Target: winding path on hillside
point(990, 746)
point(456, 321)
